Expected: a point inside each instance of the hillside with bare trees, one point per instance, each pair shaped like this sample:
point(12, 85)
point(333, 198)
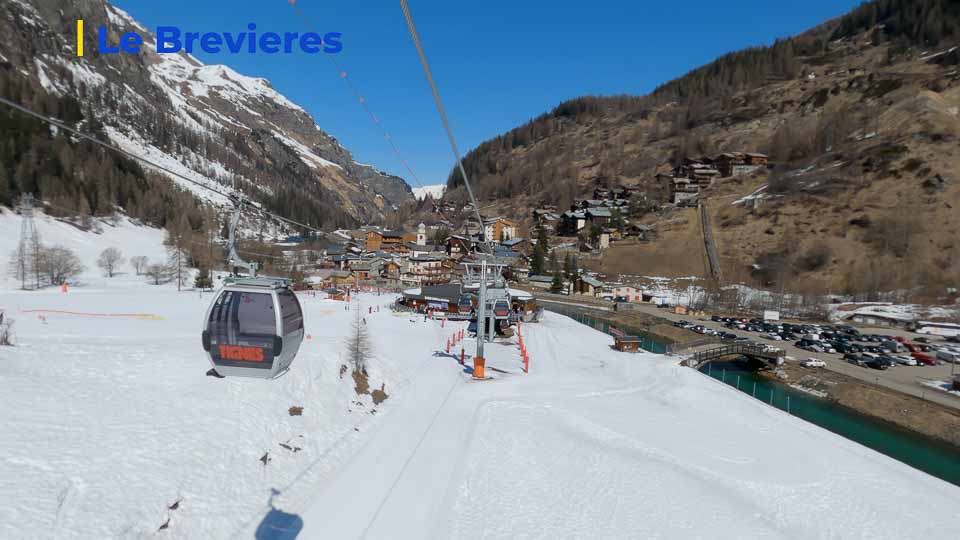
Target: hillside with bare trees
point(860, 117)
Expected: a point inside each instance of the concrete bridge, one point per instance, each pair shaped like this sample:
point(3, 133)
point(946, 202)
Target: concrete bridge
point(750, 350)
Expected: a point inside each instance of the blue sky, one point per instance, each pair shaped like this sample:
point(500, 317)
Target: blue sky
point(498, 63)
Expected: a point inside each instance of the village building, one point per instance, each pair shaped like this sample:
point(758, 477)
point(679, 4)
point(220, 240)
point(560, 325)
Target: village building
point(701, 173)
point(342, 262)
point(880, 320)
point(390, 241)
point(683, 191)
point(587, 285)
point(458, 246)
point(572, 222)
point(342, 278)
point(390, 270)
point(760, 160)
point(627, 292)
point(598, 216)
point(498, 229)
point(517, 245)
point(443, 297)
point(540, 282)
point(546, 216)
point(425, 270)
point(587, 203)
point(739, 163)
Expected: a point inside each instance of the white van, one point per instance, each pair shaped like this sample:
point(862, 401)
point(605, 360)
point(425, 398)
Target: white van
point(893, 346)
point(948, 356)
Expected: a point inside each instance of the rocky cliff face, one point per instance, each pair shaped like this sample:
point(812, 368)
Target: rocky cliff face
point(236, 131)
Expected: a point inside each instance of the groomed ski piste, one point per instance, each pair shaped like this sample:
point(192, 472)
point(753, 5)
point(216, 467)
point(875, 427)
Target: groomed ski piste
point(111, 430)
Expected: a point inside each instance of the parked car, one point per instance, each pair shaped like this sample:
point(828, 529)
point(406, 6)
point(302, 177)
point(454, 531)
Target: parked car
point(772, 337)
point(855, 358)
point(925, 359)
point(877, 363)
point(948, 356)
point(813, 363)
point(893, 346)
point(905, 360)
point(890, 360)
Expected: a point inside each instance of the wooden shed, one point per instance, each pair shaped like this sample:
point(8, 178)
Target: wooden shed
point(626, 343)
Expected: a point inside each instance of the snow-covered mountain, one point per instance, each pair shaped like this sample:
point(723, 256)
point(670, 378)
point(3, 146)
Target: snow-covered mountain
point(435, 191)
point(235, 130)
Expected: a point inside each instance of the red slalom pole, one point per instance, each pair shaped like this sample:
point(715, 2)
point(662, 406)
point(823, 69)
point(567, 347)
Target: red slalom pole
point(462, 355)
point(448, 345)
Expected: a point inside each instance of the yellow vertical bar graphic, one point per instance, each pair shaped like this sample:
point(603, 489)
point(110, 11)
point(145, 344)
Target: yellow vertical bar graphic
point(79, 37)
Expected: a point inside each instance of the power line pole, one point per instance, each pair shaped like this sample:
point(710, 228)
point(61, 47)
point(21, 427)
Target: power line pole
point(28, 250)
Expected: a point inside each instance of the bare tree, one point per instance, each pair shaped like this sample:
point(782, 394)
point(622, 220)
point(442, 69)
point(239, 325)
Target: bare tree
point(139, 263)
point(59, 264)
point(158, 273)
point(6, 330)
point(179, 256)
point(110, 260)
point(358, 344)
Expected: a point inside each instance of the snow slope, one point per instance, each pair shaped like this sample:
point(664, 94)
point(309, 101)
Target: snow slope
point(130, 238)
point(435, 191)
point(108, 421)
point(600, 444)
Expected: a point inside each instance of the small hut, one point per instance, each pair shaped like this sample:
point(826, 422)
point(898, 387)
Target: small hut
point(623, 342)
point(626, 343)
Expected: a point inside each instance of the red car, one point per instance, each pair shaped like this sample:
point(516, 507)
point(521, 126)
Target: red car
point(924, 358)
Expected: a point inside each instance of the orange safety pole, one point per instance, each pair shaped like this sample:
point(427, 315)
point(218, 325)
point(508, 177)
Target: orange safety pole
point(462, 355)
point(448, 345)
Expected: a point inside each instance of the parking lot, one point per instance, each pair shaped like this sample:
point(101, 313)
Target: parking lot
point(906, 379)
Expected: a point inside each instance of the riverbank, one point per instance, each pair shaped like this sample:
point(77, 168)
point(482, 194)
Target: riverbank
point(882, 403)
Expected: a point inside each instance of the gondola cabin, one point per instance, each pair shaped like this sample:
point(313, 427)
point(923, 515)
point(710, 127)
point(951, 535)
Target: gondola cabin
point(253, 328)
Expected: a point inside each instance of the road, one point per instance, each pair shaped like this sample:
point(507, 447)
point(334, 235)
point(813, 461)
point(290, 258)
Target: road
point(906, 379)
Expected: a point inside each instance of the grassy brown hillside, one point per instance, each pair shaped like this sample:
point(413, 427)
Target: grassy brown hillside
point(861, 118)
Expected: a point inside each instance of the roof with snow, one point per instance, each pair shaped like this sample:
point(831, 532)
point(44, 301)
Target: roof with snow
point(593, 282)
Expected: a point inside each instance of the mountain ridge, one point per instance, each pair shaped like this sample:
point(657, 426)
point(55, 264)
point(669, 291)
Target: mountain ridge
point(235, 130)
point(861, 122)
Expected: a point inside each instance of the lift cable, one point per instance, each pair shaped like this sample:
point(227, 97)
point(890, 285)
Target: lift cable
point(59, 124)
point(364, 103)
point(361, 100)
point(443, 117)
